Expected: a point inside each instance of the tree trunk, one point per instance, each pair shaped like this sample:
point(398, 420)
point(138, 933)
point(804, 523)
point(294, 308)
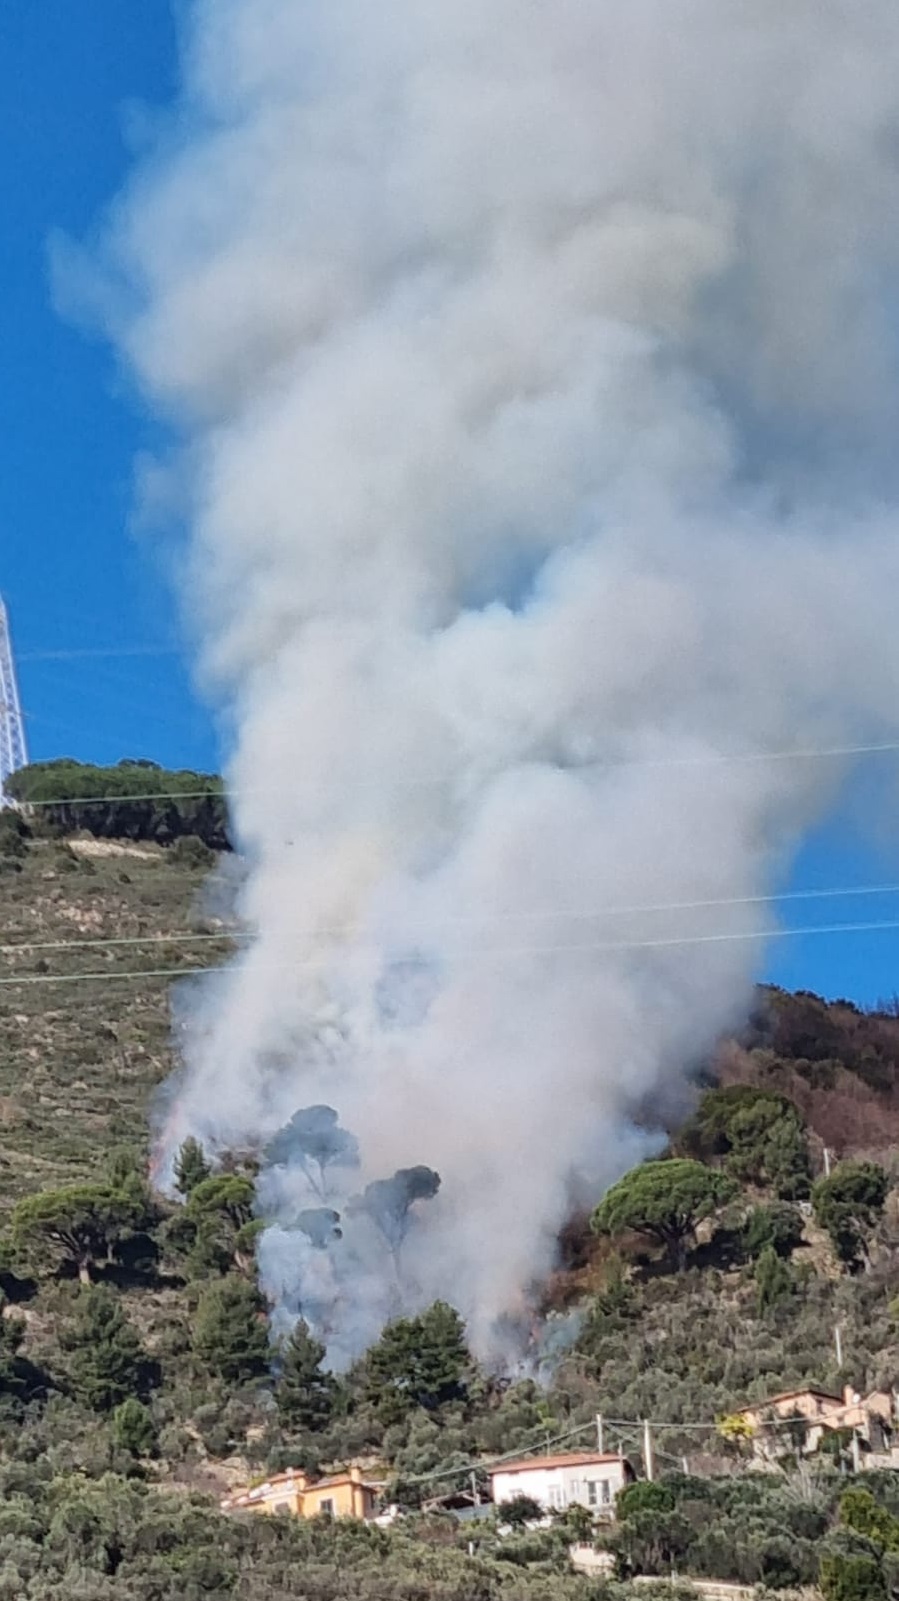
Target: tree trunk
point(84, 1272)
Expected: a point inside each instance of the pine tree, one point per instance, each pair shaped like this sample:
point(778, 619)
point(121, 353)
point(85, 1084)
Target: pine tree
point(106, 1361)
point(231, 1330)
point(420, 1361)
point(305, 1394)
point(773, 1279)
point(191, 1167)
point(133, 1428)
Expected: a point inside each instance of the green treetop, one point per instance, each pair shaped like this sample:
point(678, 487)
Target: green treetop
point(664, 1201)
point(847, 1204)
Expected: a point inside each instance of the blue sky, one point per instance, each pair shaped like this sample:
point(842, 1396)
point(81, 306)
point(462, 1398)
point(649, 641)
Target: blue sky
point(72, 74)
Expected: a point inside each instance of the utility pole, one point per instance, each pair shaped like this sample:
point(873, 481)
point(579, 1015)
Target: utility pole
point(600, 1435)
point(856, 1453)
point(648, 1464)
point(838, 1344)
point(475, 1496)
point(826, 1163)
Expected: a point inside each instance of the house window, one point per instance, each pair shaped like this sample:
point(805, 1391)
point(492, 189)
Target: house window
point(574, 1491)
point(605, 1491)
point(592, 1498)
point(326, 1508)
point(555, 1496)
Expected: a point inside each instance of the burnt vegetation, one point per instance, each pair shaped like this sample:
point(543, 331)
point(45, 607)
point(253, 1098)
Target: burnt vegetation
point(140, 1379)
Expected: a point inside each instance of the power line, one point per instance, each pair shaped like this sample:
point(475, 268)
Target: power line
point(101, 653)
point(490, 1462)
point(110, 800)
point(487, 951)
point(233, 932)
point(821, 753)
point(114, 943)
point(631, 1425)
point(694, 1427)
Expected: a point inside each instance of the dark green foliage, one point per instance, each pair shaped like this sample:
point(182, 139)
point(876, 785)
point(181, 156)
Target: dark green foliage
point(14, 834)
point(520, 1510)
point(79, 1227)
point(230, 1332)
point(216, 1228)
point(851, 1578)
point(645, 1496)
point(106, 1363)
point(652, 1532)
point(848, 1204)
point(756, 1134)
point(133, 1428)
point(664, 1200)
point(69, 1538)
point(226, 1195)
point(773, 1279)
point(191, 1167)
point(418, 1362)
point(750, 1530)
point(134, 800)
point(778, 1226)
point(305, 1394)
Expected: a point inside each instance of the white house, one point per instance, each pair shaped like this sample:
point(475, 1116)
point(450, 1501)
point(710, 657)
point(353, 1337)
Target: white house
point(575, 1478)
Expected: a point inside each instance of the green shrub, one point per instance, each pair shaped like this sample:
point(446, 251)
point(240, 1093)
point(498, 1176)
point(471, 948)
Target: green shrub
point(852, 1578)
point(520, 1510)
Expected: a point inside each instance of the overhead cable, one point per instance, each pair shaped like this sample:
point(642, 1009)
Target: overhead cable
point(711, 759)
point(233, 932)
point(584, 948)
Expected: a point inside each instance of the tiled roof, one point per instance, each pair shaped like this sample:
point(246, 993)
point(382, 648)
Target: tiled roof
point(567, 1459)
point(292, 1481)
point(791, 1395)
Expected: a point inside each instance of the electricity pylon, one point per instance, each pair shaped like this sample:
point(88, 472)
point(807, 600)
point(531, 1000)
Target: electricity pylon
point(13, 749)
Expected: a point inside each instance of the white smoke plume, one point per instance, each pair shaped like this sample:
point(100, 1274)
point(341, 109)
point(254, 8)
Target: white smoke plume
point(537, 370)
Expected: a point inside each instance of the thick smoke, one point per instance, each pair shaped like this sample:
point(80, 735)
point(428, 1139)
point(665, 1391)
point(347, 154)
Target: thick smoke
point(538, 370)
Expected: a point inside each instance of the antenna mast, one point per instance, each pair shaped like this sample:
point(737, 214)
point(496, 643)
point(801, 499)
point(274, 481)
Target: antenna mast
point(13, 749)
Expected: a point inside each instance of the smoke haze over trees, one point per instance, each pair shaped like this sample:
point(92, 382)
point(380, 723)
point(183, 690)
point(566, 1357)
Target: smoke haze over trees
point(538, 381)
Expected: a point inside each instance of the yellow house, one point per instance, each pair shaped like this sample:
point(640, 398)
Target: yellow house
point(342, 1495)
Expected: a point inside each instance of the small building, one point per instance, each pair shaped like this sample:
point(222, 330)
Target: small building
point(341, 1495)
point(799, 1420)
point(574, 1478)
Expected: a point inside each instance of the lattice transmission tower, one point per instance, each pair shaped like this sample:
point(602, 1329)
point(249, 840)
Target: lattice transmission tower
point(13, 749)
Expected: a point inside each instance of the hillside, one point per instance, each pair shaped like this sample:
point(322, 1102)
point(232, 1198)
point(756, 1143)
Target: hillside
point(171, 1314)
point(80, 1060)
